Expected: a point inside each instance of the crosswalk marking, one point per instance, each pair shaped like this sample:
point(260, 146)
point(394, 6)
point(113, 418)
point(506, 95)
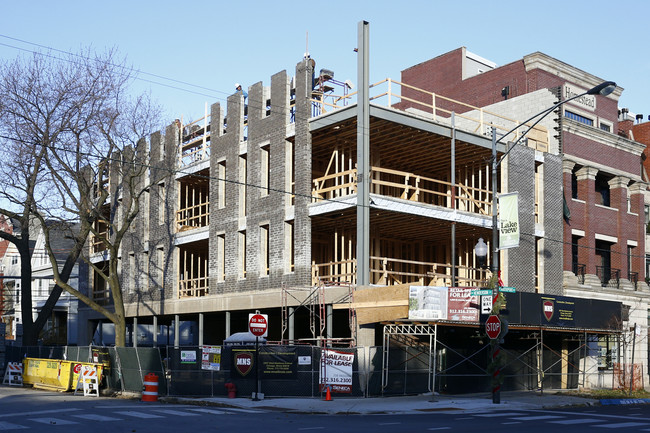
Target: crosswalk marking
point(138, 414)
point(622, 425)
point(175, 412)
point(236, 409)
point(53, 421)
point(210, 411)
point(39, 412)
point(96, 417)
point(496, 414)
point(536, 417)
point(9, 426)
point(576, 421)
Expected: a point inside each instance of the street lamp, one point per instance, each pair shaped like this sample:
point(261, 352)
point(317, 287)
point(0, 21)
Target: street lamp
point(603, 89)
point(481, 252)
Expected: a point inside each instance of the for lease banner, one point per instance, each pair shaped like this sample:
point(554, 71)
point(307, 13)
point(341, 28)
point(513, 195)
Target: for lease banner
point(336, 370)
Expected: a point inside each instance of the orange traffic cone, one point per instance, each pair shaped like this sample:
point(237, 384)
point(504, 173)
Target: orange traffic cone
point(328, 395)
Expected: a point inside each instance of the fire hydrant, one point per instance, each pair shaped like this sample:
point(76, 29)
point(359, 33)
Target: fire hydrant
point(232, 389)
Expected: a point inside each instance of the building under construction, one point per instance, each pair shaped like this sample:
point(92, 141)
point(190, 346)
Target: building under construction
point(325, 205)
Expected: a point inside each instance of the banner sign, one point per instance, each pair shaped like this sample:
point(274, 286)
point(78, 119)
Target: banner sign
point(509, 218)
point(211, 358)
point(443, 303)
point(278, 362)
point(427, 303)
point(562, 311)
point(558, 311)
point(336, 370)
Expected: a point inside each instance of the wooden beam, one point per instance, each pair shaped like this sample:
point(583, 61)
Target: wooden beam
point(377, 304)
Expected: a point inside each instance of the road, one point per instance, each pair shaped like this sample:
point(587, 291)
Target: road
point(24, 410)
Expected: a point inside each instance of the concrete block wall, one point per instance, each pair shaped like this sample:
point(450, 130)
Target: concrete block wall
point(552, 250)
point(265, 129)
point(520, 264)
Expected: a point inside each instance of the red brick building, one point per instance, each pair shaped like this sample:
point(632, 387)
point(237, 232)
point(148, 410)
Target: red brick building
point(604, 184)
point(602, 178)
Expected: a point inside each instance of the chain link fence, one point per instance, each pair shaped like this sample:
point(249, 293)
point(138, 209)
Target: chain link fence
point(296, 370)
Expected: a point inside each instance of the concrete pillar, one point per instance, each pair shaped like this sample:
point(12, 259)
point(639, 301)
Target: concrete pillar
point(155, 331)
point(135, 332)
point(177, 333)
point(227, 324)
point(292, 329)
point(200, 329)
point(366, 335)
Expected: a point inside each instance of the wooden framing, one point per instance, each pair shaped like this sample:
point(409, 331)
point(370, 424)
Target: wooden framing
point(193, 275)
point(194, 202)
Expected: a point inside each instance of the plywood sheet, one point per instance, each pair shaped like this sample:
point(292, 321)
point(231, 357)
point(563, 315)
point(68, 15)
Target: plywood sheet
point(377, 304)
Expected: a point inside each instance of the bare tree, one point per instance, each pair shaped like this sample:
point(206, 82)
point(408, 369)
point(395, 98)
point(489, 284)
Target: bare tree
point(70, 124)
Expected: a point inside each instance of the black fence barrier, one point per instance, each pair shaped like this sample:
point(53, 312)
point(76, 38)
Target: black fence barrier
point(204, 371)
point(283, 371)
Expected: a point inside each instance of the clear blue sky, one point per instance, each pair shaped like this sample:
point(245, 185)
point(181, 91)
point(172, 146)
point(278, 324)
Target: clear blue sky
point(213, 44)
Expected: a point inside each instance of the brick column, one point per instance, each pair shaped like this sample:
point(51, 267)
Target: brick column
point(637, 192)
point(587, 192)
point(618, 200)
point(567, 169)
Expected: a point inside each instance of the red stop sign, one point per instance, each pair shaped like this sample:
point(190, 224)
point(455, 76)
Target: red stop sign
point(257, 324)
point(493, 327)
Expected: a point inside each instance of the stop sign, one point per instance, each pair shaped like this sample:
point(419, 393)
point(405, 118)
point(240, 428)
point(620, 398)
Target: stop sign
point(493, 327)
point(258, 324)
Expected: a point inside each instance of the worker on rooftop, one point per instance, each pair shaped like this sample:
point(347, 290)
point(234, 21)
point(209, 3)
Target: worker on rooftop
point(239, 89)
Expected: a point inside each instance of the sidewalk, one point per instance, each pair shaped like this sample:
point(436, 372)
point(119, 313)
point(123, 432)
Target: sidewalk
point(403, 404)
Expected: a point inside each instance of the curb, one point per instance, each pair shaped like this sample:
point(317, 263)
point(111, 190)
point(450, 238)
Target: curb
point(622, 401)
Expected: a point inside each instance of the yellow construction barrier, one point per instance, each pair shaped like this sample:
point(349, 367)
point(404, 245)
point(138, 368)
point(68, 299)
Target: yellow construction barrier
point(55, 374)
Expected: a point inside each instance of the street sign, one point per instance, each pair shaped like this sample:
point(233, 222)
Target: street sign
point(486, 304)
point(258, 324)
point(481, 292)
point(507, 289)
point(493, 327)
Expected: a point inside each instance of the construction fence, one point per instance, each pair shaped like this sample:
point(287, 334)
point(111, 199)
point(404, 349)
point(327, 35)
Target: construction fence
point(204, 371)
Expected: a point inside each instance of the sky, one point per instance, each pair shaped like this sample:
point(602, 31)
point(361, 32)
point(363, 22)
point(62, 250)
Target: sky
point(193, 52)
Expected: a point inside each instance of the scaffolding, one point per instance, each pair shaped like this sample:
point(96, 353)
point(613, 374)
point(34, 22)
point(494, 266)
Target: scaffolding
point(532, 367)
point(313, 299)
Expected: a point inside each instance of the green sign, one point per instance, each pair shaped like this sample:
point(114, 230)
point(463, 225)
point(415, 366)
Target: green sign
point(481, 292)
point(507, 289)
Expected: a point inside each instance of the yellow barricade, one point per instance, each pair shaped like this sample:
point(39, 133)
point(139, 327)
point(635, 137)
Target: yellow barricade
point(55, 374)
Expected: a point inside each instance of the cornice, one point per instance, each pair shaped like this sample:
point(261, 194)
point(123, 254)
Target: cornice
point(539, 60)
point(603, 137)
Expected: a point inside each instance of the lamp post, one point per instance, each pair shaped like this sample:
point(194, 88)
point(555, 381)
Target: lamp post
point(603, 89)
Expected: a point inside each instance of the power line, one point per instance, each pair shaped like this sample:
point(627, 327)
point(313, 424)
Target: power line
point(128, 71)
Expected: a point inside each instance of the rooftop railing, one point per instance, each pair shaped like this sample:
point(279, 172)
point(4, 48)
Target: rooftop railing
point(402, 96)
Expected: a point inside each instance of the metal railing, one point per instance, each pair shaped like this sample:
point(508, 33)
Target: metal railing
point(609, 277)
